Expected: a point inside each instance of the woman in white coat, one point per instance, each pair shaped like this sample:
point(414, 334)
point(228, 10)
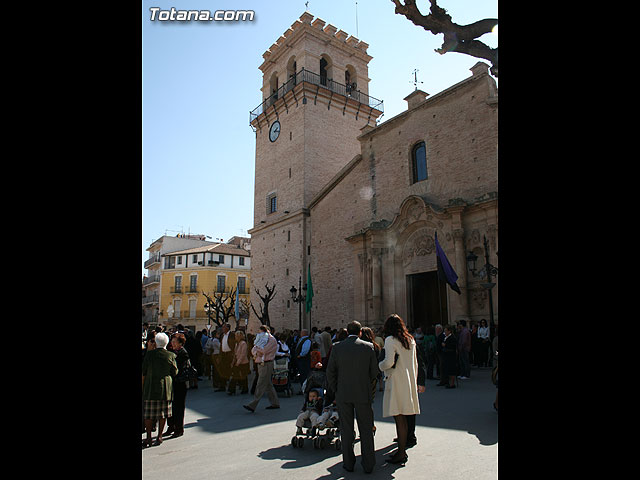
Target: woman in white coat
point(400, 367)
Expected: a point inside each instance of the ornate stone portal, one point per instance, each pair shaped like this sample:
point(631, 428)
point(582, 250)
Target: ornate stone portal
point(388, 254)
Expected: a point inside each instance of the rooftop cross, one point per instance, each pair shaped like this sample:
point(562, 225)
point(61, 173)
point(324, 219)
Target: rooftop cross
point(415, 79)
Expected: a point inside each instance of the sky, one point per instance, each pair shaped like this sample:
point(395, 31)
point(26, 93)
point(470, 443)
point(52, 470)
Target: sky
point(200, 80)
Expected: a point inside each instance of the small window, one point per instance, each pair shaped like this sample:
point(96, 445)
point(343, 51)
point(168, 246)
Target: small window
point(221, 285)
point(180, 260)
point(272, 203)
point(242, 285)
point(194, 258)
point(241, 261)
point(419, 162)
point(221, 258)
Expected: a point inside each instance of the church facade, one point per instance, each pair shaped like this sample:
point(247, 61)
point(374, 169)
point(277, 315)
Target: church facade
point(359, 205)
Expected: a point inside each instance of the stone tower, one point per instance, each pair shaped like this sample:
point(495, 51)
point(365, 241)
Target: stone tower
point(316, 104)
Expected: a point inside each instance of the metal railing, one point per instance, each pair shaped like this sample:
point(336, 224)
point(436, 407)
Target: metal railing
point(151, 279)
point(322, 81)
point(150, 299)
point(155, 258)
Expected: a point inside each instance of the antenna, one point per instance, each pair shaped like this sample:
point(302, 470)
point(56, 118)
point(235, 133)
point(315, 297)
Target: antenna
point(357, 33)
point(306, 4)
point(415, 79)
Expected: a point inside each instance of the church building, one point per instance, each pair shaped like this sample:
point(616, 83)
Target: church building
point(359, 204)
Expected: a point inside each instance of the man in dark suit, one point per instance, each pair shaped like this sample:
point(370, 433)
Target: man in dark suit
point(352, 368)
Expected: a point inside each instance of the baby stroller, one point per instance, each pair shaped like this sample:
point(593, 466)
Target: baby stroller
point(280, 377)
point(323, 436)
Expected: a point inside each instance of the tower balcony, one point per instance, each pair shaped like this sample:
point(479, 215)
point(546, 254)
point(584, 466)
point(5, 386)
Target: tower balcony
point(363, 103)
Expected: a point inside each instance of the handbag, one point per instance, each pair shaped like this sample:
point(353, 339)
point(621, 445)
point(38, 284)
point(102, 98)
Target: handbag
point(382, 354)
point(189, 373)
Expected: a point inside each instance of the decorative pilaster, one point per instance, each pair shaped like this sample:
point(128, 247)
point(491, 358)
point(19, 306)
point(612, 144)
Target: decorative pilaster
point(461, 263)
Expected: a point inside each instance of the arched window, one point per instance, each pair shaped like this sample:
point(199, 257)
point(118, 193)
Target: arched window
point(419, 162)
point(323, 71)
point(291, 69)
point(273, 87)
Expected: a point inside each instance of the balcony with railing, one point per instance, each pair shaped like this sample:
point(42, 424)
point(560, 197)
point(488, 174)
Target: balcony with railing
point(150, 299)
point(349, 91)
point(155, 258)
point(151, 279)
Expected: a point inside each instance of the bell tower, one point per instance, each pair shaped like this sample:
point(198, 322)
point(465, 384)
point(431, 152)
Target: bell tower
point(315, 92)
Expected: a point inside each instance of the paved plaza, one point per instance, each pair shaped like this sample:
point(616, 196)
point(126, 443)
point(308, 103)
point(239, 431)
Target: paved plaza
point(457, 435)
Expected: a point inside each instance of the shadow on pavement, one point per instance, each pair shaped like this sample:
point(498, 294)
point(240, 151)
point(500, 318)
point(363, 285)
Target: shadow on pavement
point(467, 408)
point(303, 457)
point(298, 457)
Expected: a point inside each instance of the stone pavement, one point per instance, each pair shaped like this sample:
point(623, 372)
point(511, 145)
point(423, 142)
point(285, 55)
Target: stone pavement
point(457, 435)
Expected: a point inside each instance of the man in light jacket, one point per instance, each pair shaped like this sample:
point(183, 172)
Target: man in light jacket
point(265, 371)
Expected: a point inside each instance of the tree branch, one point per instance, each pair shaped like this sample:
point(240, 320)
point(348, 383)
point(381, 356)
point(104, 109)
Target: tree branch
point(457, 38)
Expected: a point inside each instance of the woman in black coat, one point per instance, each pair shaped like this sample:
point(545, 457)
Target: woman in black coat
point(194, 348)
point(176, 421)
point(449, 357)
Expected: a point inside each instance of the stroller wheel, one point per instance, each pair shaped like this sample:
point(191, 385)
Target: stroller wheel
point(316, 443)
point(338, 444)
point(294, 442)
point(300, 442)
point(322, 443)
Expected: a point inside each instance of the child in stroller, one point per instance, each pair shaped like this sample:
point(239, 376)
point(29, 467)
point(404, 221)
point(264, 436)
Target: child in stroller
point(311, 410)
point(319, 414)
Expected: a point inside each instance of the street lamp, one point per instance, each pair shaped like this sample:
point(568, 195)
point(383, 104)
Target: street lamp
point(487, 271)
point(299, 299)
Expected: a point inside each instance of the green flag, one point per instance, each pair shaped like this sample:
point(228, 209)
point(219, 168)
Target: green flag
point(309, 290)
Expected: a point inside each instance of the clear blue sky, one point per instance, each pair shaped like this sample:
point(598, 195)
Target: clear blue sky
point(201, 79)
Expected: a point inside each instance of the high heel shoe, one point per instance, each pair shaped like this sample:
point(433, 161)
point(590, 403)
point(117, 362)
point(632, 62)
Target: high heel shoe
point(398, 459)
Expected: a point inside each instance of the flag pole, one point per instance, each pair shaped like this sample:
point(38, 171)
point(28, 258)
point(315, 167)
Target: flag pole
point(439, 295)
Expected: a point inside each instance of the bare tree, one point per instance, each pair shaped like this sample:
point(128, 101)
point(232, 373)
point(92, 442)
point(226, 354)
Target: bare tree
point(263, 316)
point(457, 38)
point(222, 306)
point(214, 313)
point(227, 304)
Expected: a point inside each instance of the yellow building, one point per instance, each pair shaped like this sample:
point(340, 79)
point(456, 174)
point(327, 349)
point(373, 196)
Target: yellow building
point(212, 269)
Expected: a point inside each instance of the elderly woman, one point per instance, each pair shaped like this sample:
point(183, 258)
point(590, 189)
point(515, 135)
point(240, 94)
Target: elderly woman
point(400, 367)
point(239, 365)
point(158, 369)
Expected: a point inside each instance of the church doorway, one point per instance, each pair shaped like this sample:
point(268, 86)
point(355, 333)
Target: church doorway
point(427, 301)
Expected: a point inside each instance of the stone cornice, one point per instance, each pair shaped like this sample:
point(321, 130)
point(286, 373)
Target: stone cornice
point(283, 219)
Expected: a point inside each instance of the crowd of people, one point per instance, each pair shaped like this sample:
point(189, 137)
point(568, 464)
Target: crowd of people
point(351, 363)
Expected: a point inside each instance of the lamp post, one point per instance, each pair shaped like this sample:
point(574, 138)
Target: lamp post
point(299, 299)
point(207, 310)
point(487, 270)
